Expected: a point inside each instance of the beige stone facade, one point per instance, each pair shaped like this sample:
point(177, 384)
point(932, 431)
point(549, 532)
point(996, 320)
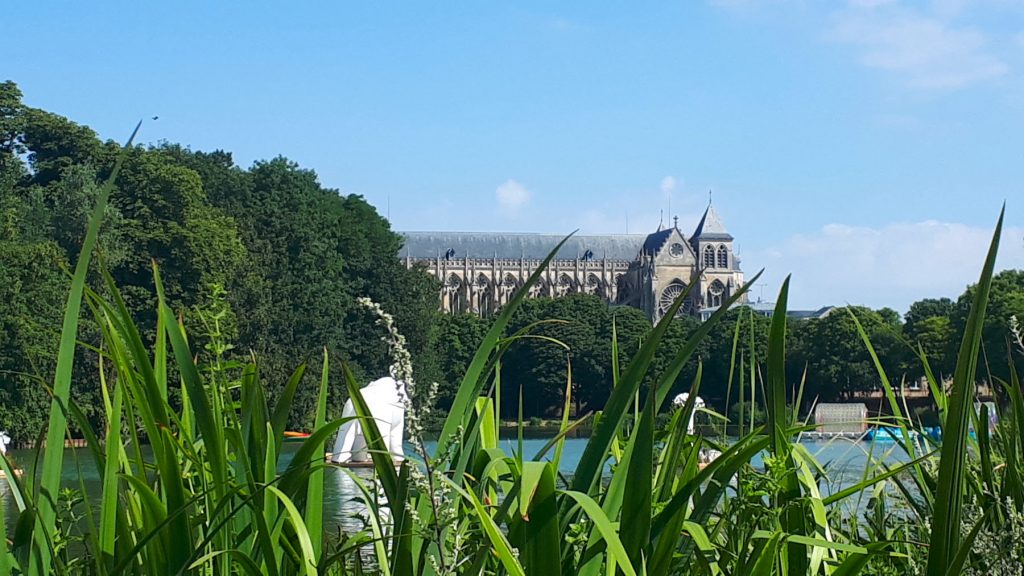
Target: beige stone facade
point(480, 272)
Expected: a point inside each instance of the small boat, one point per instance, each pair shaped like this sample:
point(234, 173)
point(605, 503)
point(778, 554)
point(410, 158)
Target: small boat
point(886, 434)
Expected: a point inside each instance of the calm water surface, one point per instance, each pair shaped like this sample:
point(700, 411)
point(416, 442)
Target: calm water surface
point(844, 460)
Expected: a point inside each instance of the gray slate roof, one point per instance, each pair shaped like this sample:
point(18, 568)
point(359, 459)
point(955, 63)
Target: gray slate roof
point(656, 240)
point(518, 245)
point(711, 227)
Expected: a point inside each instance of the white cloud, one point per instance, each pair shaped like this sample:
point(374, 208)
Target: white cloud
point(929, 50)
point(512, 196)
point(668, 185)
point(894, 265)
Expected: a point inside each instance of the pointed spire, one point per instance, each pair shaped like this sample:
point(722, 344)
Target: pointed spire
point(711, 225)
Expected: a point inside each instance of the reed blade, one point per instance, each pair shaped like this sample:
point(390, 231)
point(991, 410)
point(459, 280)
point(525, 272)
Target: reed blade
point(53, 458)
point(946, 521)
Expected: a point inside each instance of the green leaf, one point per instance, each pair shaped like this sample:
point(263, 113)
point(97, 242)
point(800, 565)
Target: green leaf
point(284, 405)
point(787, 498)
point(608, 531)
point(497, 539)
point(383, 463)
point(474, 379)
point(636, 502)
point(945, 533)
point(315, 489)
point(542, 540)
point(53, 458)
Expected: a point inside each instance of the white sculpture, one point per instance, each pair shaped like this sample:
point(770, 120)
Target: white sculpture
point(4, 441)
point(680, 401)
point(385, 398)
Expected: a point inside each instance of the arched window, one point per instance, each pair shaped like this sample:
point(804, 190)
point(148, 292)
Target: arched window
point(456, 303)
point(715, 293)
point(723, 257)
point(484, 296)
point(669, 296)
point(709, 256)
point(539, 289)
point(566, 285)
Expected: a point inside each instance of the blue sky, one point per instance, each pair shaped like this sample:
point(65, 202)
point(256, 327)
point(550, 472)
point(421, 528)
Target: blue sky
point(863, 145)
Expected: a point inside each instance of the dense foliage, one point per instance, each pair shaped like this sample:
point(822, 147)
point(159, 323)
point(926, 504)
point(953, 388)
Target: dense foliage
point(214, 496)
point(288, 255)
point(826, 353)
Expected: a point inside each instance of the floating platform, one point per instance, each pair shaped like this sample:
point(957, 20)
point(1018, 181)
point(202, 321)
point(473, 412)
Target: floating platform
point(814, 435)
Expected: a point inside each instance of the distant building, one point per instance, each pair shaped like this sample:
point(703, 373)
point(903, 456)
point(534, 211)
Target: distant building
point(767, 309)
point(480, 271)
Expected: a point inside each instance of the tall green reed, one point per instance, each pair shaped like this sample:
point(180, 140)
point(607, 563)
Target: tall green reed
point(206, 496)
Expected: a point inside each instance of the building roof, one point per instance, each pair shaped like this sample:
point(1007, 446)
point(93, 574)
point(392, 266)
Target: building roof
point(518, 245)
point(711, 227)
point(803, 314)
point(656, 240)
point(768, 308)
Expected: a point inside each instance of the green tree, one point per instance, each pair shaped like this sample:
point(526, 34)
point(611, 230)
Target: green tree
point(929, 324)
point(32, 296)
point(1006, 300)
point(837, 361)
point(453, 344)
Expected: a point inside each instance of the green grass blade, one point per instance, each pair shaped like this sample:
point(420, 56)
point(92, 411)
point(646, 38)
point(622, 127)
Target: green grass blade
point(109, 496)
point(284, 405)
point(474, 379)
point(732, 366)
point(179, 530)
point(694, 340)
point(383, 463)
point(766, 559)
point(6, 557)
point(315, 489)
point(566, 407)
point(308, 558)
point(542, 541)
point(788, 495)
point(494, 534)
point(488, 431)
point(53, 458)
point(608, 531)
point(608, 426)
point(636, 503)
point(945, 536)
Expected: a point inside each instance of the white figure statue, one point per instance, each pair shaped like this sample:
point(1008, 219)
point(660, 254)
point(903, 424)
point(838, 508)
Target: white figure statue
point(680, 401)
point(4, 441)
point(385, 397)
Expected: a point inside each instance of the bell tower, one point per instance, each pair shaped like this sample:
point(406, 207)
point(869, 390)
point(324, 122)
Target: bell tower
point(720, 273)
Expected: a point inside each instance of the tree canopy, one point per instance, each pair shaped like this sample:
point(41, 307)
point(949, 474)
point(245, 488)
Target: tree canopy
point(290, 255)
point(283, 259)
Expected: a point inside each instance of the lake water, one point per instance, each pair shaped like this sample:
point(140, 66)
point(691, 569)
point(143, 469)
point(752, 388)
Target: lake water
point(844, 460)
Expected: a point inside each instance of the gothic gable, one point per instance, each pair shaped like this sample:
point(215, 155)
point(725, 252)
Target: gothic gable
point(675, 250)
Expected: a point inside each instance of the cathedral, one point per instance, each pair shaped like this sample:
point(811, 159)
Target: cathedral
point(480, 272)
